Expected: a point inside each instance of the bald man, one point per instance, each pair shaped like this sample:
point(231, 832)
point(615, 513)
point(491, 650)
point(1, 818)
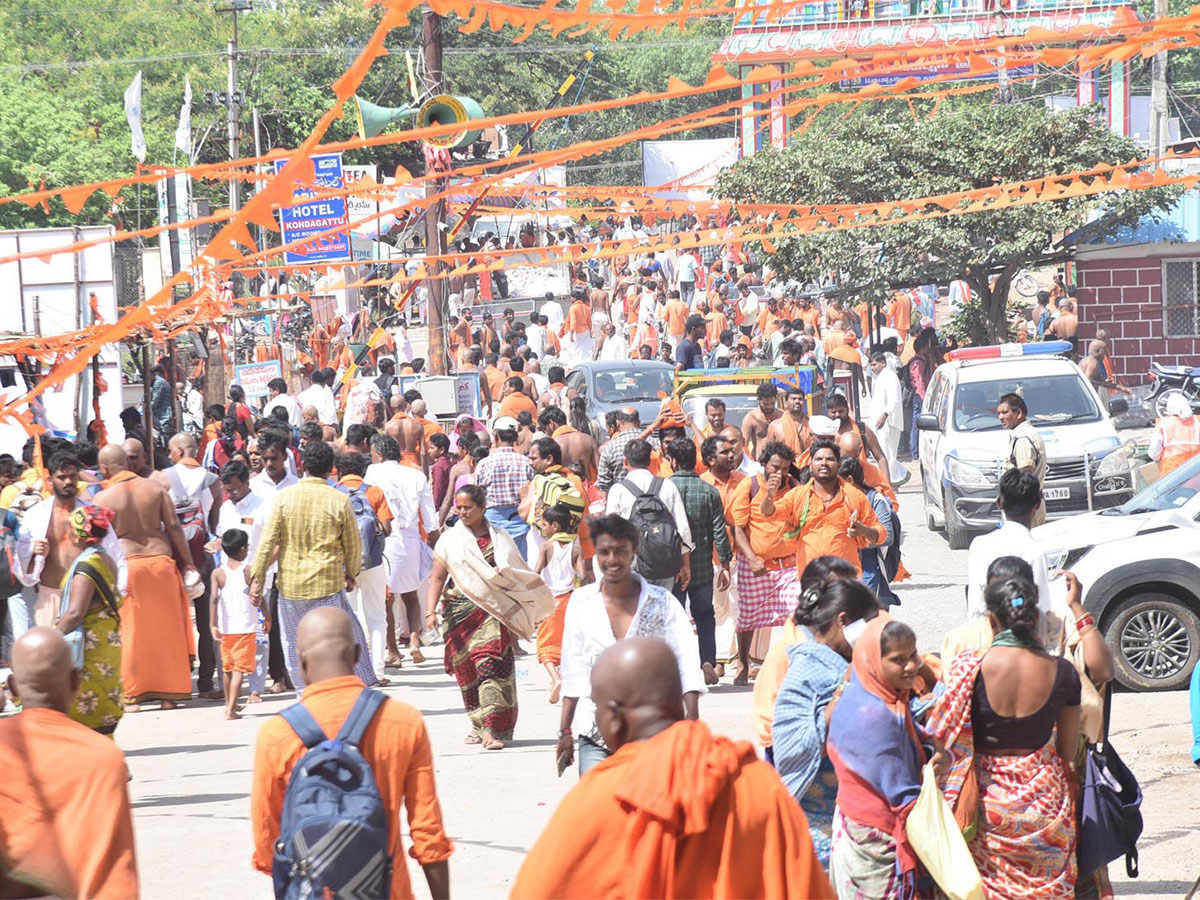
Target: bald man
point(197, 495)
point(395, 744)
point(156, 630)
point(65, 823)
point(675, 811)
point(410, 435)
point(135, 452)
point(850, 444)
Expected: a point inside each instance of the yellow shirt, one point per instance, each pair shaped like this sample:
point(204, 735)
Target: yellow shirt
point(313, 526)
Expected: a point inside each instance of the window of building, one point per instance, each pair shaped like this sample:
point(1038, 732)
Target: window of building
point(1181, 298)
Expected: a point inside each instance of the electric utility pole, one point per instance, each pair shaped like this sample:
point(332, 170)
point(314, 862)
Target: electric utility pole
point(233, 98)
point(1159, 110)
point(435, 82)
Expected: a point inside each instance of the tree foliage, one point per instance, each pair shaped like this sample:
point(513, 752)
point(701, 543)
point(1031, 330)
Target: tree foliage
point(66, 63)
point(883, 152)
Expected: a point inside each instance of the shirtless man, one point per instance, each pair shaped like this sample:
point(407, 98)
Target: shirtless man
point(1066, 327)
point(1093, 367)
point(410, 434)
point(792, 427)
point(598, 297)
point(46, 543)
point(576, 445)
point(757, 421)
point(135, 452)
point(156, 633)
point(838, 409)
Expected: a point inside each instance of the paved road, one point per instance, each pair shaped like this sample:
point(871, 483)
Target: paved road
point(192, 769)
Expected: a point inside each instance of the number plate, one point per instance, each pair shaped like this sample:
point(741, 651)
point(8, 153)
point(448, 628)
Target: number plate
point(1056, 493)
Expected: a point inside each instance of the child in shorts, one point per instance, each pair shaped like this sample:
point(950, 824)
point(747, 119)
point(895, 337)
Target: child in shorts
point(235, 617)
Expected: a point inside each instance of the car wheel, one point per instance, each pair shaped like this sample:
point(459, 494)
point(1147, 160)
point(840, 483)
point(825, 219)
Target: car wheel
point(958, 536)
point(1155, 642)
point(930, 517)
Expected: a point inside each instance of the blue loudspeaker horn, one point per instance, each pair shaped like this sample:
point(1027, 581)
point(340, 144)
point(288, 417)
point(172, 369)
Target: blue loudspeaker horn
point(448, 109)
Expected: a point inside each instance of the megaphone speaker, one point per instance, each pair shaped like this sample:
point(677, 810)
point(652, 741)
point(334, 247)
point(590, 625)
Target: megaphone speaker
point(448, 109)
point(373, 119)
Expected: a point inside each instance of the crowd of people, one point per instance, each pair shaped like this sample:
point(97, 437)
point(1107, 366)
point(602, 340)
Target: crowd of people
point(307, 545)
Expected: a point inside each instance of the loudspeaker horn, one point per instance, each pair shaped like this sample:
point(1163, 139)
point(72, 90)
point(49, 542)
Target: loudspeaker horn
point(448, 109)
point(373, 119)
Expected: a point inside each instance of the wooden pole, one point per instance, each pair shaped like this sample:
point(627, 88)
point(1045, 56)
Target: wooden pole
point(148, 411)
point(174, 394)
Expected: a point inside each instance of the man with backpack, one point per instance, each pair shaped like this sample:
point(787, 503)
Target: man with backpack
point(197, 495)
point(319, 834)
point(656, 510)
point(369, 597)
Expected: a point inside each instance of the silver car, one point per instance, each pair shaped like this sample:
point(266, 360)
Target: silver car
point(608, 386)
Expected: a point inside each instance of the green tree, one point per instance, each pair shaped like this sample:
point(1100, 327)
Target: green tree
point(882, 152)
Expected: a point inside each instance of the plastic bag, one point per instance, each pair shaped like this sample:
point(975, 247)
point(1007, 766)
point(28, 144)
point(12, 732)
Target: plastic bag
point(939, 844)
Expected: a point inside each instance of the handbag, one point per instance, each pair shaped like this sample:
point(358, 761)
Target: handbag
point(937, 840)
point(1110, 815)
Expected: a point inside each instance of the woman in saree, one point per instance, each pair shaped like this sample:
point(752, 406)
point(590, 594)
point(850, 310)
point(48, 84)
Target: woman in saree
point(1010, 716)
point(877, 752)
point(832, 615)
point(488, 594)
point(90, 620)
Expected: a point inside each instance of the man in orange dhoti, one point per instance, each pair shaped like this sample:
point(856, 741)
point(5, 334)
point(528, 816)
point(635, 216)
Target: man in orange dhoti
point(156, 631)
point(675, 811)
point(65, 824)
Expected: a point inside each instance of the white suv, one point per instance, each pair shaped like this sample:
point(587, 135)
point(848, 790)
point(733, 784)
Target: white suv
point(1139, 565)
point(963, 444)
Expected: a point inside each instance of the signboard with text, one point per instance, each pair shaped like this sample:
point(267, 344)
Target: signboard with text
point(311, 215)
point(253, 377)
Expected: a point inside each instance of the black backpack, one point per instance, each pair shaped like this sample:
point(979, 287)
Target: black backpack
point(660, 550)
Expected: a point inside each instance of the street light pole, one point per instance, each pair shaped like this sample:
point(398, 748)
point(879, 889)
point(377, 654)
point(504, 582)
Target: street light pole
point(431, 35)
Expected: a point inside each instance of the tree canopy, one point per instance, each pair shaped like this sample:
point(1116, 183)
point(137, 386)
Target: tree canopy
point(63, 72)
point(883, 152)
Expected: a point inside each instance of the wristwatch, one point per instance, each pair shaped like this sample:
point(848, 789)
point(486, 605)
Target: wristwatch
point(564, 732)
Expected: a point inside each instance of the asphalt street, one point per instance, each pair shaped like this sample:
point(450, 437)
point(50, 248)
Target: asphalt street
point(192, 769)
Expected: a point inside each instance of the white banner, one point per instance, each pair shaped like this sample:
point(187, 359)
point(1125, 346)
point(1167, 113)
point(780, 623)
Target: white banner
point(133, 112)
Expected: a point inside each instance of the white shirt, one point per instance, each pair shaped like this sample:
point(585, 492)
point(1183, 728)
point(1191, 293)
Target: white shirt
point(35, 525)
point(192, 479)
point(535, 336)
point(553, 312)
point(620, 501)
point(748, 466)
point(262, 485)
point(1010, 539)
point(320, 397)
point(614, 349)
point(407, 492)
point(286, 402)
point(236, 614)
point(248, 515)
point(194, 409)
point(588, 632)
point(541, 383)
point(886, 398)
point(685, 268)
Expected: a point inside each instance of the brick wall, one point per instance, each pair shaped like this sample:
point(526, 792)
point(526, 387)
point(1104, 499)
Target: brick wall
point(1124, 297)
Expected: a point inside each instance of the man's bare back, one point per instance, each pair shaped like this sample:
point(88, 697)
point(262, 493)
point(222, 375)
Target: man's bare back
point(579, 446)
point(409, 433)
point(142, 512)
point(61, 546)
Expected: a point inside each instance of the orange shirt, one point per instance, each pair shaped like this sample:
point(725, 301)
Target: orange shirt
point(812, 316)
point(725, 488)
point(212, 431)
point(431, 428)
point(515, 402)
point(579, 318)
point(65, 823)
point(374, 496)
point(677, 313)
point(768, 323)
point(682, 806)
point(766, 533)
point(873, 478)
point(715, 323)
point(900, 313)
point(825, 523)
point(494, 379)
point(397, 747)
point(908, 351)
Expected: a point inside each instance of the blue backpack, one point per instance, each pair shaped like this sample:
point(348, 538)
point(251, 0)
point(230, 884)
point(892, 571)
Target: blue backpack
point(369, 530)
point(333, 835)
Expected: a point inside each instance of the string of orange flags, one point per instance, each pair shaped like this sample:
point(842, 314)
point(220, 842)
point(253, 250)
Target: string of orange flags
point(1144, 39)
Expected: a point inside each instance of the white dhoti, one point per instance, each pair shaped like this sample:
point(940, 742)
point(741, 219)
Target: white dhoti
point(889, 440)
point(578, 348)
point(402, 558)
point(369, 602)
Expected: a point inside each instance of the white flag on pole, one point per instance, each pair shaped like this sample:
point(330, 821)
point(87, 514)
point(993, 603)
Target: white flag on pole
point(183, 134)
point(133, 112)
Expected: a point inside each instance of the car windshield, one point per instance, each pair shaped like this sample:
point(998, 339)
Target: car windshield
point(1052, 400)
point(1171, 491)
point(736, 407)
point(616, 385)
